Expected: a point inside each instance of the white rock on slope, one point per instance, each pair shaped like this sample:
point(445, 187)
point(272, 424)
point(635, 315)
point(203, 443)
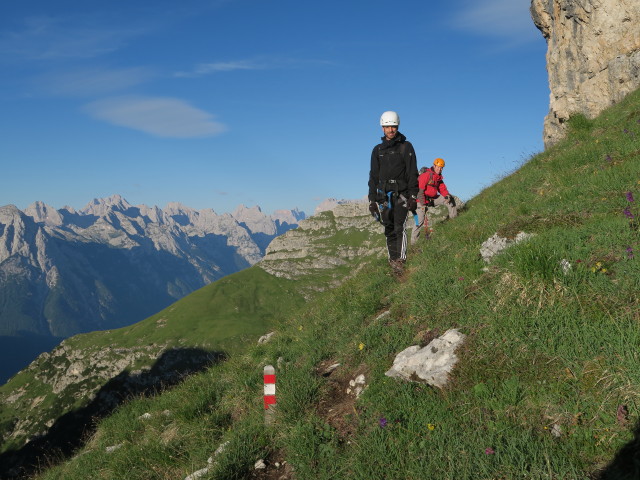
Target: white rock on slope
point(431, 364)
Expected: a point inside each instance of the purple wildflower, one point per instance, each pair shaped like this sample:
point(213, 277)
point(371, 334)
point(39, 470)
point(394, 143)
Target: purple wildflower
point(630, 197)
point(627, 213)
point(609, 159)
point(626, 131)
point(382, 422)
point(629, 252)
point(489, 451)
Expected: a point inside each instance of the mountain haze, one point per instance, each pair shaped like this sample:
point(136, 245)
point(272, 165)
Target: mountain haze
point(111, 264)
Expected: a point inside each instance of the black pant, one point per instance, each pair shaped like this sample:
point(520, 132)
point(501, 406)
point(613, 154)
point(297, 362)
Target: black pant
point(394, 222)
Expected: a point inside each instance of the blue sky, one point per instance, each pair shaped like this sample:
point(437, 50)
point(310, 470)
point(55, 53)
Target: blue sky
point(214, 103)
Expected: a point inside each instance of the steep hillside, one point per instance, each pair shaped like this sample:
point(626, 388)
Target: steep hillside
point(212, 323)
point(547, 384)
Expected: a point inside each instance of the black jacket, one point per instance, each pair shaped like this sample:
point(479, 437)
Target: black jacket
point(391, 160)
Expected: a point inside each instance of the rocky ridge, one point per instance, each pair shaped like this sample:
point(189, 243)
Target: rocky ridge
point(64, 370)
point(311, 249)
point(593, 56)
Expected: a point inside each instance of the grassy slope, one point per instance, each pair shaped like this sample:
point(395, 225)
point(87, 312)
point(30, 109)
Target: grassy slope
point(222, 316)
point(218, 316)
point(547, 351)
point(226, 315)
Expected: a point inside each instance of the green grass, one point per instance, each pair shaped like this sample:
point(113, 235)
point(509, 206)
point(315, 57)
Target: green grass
point(224, 316)
point(549, 356)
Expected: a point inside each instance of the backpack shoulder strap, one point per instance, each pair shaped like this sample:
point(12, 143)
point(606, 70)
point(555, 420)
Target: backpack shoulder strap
point(403, 153)
point(429, 173)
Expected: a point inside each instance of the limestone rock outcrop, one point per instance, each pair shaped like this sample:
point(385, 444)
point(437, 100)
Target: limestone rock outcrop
point(317, 244)
point(593, 56)
point(431, 364)
point(496, 244)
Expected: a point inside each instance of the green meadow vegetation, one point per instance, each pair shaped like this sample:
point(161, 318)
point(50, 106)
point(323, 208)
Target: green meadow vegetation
point(221, 317)
point(548, 381)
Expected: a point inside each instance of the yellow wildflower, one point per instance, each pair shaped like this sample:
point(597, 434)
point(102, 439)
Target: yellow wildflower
point(361, 346)
point(431, 426)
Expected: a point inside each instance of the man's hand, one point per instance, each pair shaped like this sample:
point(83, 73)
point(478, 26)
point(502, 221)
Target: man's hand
point(373, 208)
point(449, 199)
point(412, 204)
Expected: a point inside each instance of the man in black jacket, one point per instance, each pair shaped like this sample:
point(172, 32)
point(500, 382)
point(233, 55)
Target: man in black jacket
point(393, 187)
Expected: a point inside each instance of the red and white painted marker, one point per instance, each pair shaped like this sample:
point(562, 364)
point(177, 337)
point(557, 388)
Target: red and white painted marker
point(269, 387)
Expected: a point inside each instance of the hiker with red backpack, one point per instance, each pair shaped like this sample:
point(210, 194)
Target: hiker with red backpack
point(393, 187)
point(432, 192)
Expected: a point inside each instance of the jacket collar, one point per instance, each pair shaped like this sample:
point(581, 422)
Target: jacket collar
point(399, 138)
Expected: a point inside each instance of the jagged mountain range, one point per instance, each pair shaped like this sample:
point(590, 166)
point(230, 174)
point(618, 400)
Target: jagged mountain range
point(111, 264)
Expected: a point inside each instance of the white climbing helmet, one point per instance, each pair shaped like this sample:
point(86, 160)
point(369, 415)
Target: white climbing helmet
point(389, 119)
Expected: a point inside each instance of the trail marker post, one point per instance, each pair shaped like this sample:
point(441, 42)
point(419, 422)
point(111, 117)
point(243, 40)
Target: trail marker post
point(269, 393)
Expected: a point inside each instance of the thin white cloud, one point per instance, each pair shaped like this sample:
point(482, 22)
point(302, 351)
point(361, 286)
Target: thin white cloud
point(262, 63)
point(162, 117)
point(210, 68)
point(65, 37)
point(509, 19)
point(93, 81)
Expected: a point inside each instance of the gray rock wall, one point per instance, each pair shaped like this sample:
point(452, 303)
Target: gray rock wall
point(593, 56)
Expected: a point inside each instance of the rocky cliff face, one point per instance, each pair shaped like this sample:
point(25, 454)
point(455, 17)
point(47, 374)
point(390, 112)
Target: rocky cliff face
point(593, 56)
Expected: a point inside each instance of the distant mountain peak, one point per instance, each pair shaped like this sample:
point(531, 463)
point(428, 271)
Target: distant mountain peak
point(43, 213)
point(101, 206)
point(8, 213)
point(177, 207)
point(330, 204)
point(242, 208)
point(291, 217)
